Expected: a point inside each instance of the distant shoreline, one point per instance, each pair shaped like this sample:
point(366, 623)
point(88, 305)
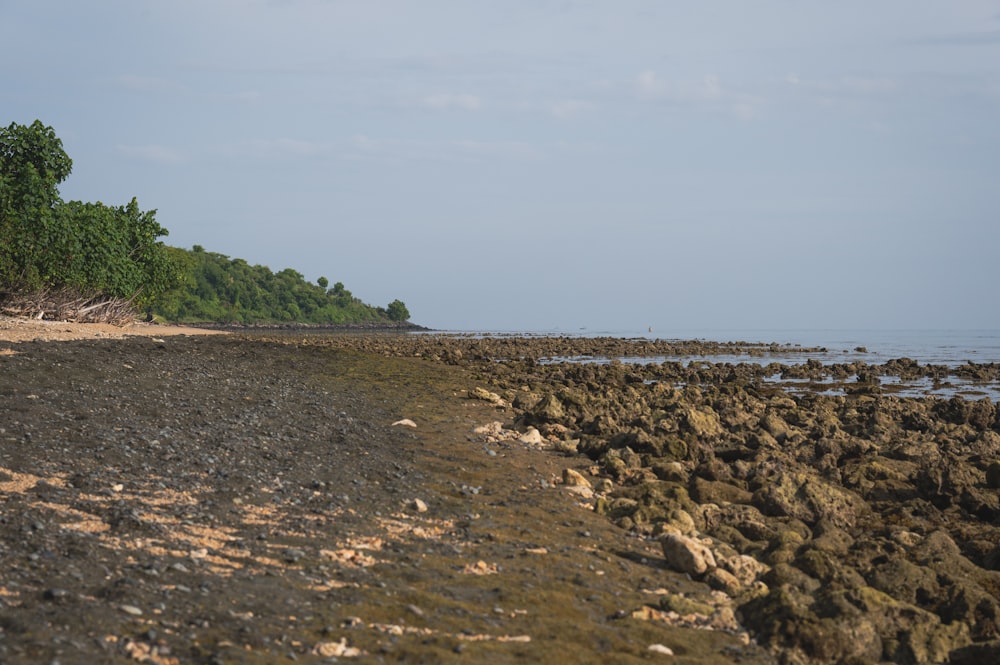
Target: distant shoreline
point(309, 327)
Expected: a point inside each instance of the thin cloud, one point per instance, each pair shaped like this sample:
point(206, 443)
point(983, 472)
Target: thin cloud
point(157, 154)
point(151, 84)
point(284, 147)
point(565, 108)
point(709, 92)
point(649, 85)
point(979, 38)
point(461, 151)
point(447, 101)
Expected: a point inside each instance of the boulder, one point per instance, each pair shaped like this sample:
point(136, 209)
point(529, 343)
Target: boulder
point(804, 496)
point(715, 491)
point(687, 555)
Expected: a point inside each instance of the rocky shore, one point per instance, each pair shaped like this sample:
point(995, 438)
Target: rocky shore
point(288, 496)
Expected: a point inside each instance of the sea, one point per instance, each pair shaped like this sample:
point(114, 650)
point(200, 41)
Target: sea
point(945, 347)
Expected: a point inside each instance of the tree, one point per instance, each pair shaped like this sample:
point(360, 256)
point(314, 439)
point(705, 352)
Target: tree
point(323, 282)
point(90, 249)
point(32, 164)
point(397, 311)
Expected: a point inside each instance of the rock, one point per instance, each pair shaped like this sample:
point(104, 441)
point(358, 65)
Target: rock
point(714, 491)
point(573, 478)
point(744, 568)
point(799, 494)
point(531, 438)
point(405, 422)
point(661, 649)
point(976, 654)
point(487, 396)
point(724, 581)
point(548, 410)
point(703, 422)
point(993, 475)
point(336, 649)
point(687, 555)
point(418, 505)
point(679, 521)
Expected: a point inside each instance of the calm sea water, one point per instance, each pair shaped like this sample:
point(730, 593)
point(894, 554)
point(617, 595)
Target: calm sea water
point(937, 347)
point(950, 348)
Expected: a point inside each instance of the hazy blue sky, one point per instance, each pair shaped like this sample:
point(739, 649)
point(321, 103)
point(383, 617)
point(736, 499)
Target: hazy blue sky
point(549, 163)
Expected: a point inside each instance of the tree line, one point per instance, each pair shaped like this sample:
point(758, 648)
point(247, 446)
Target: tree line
point(84, 259)
point(216, 288)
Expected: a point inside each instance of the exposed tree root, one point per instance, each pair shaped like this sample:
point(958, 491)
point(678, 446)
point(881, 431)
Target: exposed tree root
point(69, 305)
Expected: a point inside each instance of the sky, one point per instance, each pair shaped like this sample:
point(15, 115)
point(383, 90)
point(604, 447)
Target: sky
point(549, 164)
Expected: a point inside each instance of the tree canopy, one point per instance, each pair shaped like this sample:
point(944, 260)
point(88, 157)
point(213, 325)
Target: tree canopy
point(47, 243)
point(89, 252)
point(216, 288)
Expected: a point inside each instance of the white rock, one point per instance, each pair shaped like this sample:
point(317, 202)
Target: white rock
point(571, 477)
point(580, 490)
point(659, 648)
point(405, 422)
point(418, 505)
point(532, 437)
point(687, 555)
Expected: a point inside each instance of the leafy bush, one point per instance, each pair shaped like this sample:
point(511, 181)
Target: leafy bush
point(47, 244)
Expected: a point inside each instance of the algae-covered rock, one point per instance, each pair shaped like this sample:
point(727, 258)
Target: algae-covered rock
point(702, 422)
point(906, 581)
point(993, 475)
point(714, 491)
point(799, 494)
point(548, 410)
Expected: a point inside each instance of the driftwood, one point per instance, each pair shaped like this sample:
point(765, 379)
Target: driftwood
point(69, 305)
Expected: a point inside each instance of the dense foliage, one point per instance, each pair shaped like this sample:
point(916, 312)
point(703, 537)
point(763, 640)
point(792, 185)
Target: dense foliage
point(70, 258)
point(48, 244)
point(215, 288)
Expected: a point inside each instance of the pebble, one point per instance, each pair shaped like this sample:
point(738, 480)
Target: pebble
point(659, 648)
point(131, 609)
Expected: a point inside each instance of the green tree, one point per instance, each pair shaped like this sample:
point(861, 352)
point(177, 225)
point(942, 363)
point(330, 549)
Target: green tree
point(397, 311)
point(89, 247)
point(32, 164)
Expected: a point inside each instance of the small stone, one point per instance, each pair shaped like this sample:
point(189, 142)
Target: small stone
point(131, 609)
point(55, 595)
point(531, 438)
point(659, 648)
point(573, 478)
point(418, 505)
point(405, 422)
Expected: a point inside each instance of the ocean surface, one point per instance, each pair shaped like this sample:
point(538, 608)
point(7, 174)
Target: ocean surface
point(950, 348)
point(936, 347)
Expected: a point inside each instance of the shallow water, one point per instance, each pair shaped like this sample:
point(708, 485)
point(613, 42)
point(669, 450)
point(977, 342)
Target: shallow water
point(948, 348)
point(935, 347)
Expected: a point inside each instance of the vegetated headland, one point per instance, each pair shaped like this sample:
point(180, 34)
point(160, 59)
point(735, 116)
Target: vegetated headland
point(284, 495)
